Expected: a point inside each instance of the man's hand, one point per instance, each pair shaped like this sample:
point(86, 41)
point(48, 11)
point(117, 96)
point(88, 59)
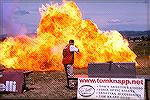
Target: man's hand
point(77, 51)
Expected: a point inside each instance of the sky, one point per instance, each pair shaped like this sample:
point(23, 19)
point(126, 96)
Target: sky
point(22, 16)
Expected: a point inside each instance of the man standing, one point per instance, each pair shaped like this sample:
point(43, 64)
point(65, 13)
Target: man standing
point(68, 60)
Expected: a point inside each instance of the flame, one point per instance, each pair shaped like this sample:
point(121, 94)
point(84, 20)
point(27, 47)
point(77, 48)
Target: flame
point(59, 24)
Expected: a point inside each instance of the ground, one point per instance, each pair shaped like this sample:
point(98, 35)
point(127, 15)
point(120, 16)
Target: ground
point(46, 85)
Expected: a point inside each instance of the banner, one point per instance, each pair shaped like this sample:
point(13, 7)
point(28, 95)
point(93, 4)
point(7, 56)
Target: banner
point(110, 88)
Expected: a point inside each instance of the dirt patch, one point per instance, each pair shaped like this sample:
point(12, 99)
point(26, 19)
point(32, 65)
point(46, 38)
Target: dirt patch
point(46, 85)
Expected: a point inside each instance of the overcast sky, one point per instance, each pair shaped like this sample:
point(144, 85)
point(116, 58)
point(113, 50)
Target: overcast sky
point(23, 16)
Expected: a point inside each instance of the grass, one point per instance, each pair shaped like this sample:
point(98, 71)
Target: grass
point(142, 48)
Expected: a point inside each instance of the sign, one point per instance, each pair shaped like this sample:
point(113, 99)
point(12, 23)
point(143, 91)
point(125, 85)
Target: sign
point(12, 81)
point(110, 88)
point(10, 86)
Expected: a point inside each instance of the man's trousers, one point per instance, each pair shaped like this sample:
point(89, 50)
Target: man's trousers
point(69, 74)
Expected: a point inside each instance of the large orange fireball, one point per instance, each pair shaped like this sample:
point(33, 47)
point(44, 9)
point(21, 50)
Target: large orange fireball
point(59, 24)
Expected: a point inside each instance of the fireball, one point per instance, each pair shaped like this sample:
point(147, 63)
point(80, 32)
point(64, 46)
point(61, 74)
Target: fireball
point(59, 24)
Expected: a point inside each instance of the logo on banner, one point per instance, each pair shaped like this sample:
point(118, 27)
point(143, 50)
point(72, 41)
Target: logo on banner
point(9, 86)
point(86, 90)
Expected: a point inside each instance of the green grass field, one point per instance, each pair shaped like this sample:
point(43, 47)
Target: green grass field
point(142, 50)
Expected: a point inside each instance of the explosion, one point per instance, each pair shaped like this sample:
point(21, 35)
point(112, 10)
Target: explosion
point(59, 24)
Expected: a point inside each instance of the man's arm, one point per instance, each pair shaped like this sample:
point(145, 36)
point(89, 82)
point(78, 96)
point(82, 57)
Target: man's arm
point(73, 48)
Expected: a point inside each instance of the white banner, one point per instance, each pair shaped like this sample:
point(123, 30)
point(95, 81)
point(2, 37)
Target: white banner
point(111, 88)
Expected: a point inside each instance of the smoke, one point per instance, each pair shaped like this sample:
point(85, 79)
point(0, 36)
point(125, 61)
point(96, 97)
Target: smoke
point(9, 26)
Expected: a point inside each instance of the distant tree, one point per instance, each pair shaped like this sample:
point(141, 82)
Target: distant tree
point(143, 38)
point(128, 38)
point(134, 39)
point(148, 38)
